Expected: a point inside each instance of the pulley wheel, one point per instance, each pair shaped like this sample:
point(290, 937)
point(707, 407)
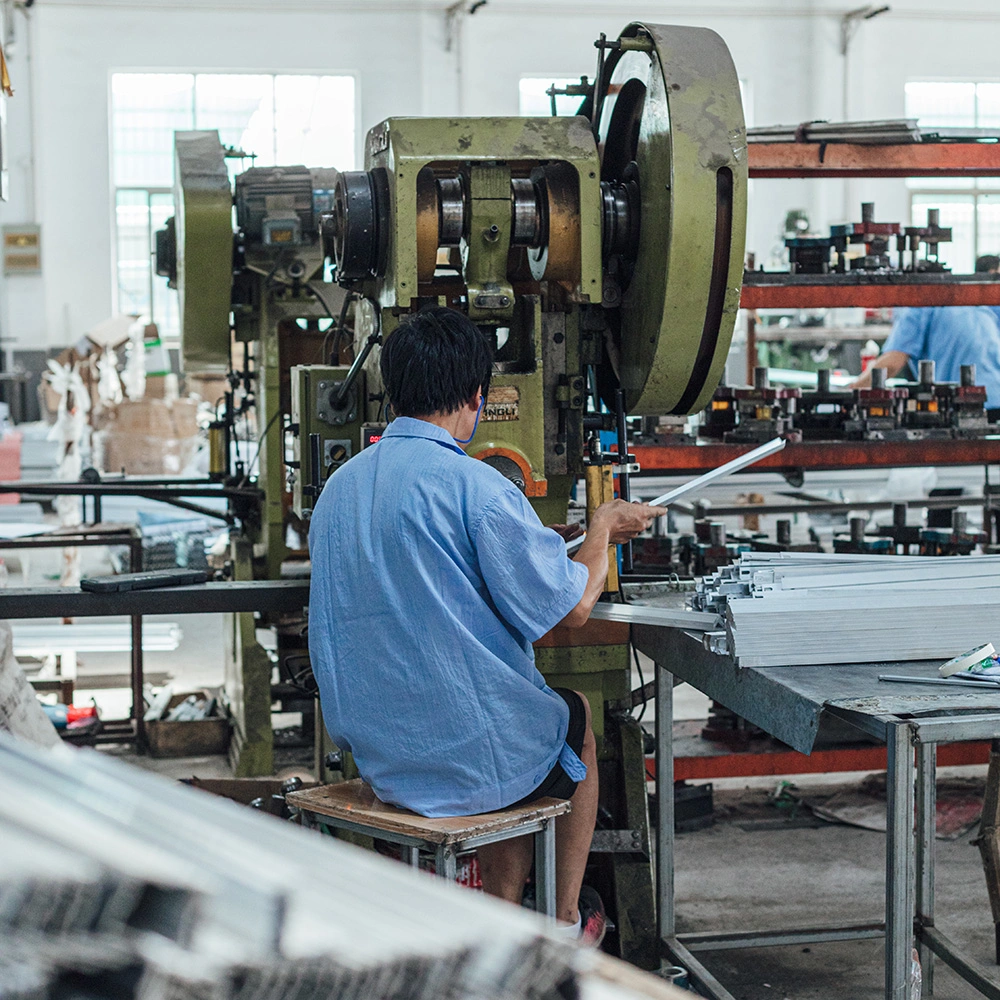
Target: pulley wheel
point(672, 124)
point(558, 258)
point(360, 224)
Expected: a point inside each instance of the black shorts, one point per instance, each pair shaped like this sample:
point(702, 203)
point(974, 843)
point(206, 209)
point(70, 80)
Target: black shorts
point(557, 784)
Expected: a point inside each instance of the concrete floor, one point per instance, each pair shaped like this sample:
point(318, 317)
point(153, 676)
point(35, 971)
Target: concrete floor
point(736, 875)
point(731, 878)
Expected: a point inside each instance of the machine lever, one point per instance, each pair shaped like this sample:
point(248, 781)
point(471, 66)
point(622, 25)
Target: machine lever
point(359, 362)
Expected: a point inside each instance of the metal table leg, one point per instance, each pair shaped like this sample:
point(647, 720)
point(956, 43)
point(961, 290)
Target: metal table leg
point(545, 870)
point(899, 862)
point(446, 864)
point(926, 832)
point(664, 693)
point(138, 707)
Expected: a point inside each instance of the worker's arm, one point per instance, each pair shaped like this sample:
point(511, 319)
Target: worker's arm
point(612, 523)
point(892, 361)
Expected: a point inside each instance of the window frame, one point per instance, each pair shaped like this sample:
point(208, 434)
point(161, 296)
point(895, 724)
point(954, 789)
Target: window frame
point(973, 192)
point(173, 340)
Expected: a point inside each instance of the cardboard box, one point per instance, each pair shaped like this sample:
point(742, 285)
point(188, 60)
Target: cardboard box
point(149, 437)
point(142, 454)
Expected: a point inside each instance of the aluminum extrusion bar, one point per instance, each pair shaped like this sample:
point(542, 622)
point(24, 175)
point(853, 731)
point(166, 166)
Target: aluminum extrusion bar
point(645, 615)
point(734, 465)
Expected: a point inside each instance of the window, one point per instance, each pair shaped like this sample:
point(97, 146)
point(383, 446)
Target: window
point(276, 119)
point(970, 206)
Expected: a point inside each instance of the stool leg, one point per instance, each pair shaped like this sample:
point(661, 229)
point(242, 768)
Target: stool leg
point(445, 863)
point(545, 870)
point(414, 853)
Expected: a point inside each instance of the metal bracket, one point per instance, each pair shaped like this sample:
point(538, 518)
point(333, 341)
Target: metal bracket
point(617, 842)
point(327, 409)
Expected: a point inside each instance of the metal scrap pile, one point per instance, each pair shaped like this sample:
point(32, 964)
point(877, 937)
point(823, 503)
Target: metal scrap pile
point(117, 883)
point(787, 608)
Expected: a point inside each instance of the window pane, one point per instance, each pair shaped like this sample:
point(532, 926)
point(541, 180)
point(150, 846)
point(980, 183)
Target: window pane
point(241, 107)
point(146, 108)
point(314, 120)
point(988, 105)
point(944, 183)
point(989, 224)
point(533, 102)
point(950, 105)
point(132, 219)
point(956, 212)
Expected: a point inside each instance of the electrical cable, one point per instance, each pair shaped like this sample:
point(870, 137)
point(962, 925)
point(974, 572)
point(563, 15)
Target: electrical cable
point(260, 441)
point(333, 320)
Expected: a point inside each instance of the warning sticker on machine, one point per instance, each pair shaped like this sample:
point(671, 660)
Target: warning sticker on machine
point(502, 403)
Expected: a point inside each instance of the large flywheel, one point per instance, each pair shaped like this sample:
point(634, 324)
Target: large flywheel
point(674, 183)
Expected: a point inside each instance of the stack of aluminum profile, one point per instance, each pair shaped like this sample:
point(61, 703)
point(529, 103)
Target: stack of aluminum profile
point(891, 132)
point(788, 608)
point(118, 883)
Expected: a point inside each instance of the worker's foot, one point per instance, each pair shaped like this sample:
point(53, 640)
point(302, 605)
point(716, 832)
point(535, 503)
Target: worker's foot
point(593, 921)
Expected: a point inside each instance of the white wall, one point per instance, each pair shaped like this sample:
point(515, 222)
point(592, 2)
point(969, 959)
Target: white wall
point(787, 52)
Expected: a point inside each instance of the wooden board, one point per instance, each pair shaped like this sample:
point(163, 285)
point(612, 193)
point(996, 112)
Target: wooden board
point(355, 801)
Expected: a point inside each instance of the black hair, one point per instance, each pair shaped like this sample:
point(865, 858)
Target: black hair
point(986, 263)
point(434, 363)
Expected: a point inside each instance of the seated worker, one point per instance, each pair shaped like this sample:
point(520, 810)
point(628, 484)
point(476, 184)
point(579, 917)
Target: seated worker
point(431, 577)
point(950, 336)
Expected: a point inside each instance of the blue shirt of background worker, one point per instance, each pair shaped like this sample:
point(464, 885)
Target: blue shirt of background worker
point(950, 336)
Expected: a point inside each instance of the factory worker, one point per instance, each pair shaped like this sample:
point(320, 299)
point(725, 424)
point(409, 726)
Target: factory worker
point(431, 577)
point(950, 336)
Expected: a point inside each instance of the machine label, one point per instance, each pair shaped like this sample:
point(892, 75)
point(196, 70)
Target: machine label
point(502, 403)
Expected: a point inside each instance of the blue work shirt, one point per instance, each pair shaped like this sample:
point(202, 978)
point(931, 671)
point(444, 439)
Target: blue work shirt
point(431, 577)
point(951, 336)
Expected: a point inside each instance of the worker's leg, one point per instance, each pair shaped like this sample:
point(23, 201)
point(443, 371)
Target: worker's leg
point(504, 867)
point(575, 830)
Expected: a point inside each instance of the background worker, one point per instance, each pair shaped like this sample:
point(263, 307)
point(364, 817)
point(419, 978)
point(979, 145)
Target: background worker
point(431, 578)
point(950, 336)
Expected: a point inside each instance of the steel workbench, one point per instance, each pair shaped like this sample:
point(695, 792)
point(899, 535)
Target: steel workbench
point(792, 704)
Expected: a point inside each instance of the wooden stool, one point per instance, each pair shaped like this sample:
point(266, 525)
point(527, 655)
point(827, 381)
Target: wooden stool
point(352, 805)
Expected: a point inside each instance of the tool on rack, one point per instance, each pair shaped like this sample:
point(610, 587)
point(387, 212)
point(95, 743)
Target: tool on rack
point(764, 412)
point(859, 542)
point(930, 236)
point(874, 236)
point(957, 540)
point(878, 411)
point(822, 414)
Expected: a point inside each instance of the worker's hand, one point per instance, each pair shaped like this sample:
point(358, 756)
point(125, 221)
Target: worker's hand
point(567, 531)
point(624, 521)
